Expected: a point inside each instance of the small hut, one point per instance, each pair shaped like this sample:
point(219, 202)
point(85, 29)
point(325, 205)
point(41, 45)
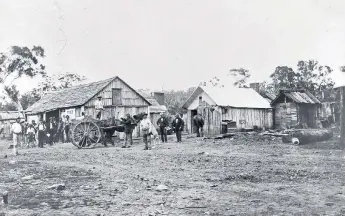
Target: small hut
point(228, 108)
point(7, 118)
point(298, 107)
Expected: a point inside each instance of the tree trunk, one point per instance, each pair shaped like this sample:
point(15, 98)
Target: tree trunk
point(342, 116)
point(308, 136)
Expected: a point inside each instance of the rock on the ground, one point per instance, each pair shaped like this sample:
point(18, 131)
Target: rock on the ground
point(27, 178)
point(58, 187)
point(162, 188)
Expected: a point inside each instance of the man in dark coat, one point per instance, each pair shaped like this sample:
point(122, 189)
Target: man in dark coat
point(128, 122)
point(178, 125)
point(162, 123)
point(199, 124)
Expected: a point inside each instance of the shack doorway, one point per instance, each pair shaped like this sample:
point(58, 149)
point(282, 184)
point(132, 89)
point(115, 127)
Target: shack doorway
point(193, 128)
point(54, 114)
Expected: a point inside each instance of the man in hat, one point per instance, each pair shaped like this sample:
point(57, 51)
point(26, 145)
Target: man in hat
point(99, 108)
point(41, 127)
point(146, 126)
point(16, 130)
point(128, 122)
point(162, 123)
point(178, 125)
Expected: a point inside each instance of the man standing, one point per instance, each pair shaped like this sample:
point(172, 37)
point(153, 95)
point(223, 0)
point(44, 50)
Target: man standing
point(60, 136)
point(99, 108)
point(199, 124)
point(16, 130)
point(162, 123)
point(128, 131)
point(41, 127)
point(145, 126)
point(67, 127)
point(178, 125)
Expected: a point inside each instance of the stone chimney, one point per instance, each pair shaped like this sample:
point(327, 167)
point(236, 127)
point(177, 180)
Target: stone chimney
point(159, 96)
point(255, 86)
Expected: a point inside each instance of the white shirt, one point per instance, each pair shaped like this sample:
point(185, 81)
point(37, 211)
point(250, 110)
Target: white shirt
point(99, 104)
point(16, 128)
point(30, 130)
point(145, 124)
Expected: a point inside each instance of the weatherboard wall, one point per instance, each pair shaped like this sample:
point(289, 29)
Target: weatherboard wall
point(129, 98)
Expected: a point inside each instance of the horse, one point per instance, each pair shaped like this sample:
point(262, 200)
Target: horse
point(110, 125)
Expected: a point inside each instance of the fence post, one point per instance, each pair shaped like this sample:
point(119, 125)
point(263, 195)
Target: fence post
point(342, 116)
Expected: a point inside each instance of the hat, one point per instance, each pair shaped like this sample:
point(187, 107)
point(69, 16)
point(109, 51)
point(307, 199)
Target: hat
point(99, 96)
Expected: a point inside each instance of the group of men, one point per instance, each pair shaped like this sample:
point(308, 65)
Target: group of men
point(149, 131)
point(43, 132)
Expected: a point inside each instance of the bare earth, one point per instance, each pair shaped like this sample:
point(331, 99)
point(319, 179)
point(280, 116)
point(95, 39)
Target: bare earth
point(245, 176)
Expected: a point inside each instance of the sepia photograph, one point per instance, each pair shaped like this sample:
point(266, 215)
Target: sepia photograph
point(172, 107)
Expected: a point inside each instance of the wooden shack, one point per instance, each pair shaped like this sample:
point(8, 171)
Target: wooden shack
point(292, 108)
point(7, 118)
point(228, 108)
point(118, 98)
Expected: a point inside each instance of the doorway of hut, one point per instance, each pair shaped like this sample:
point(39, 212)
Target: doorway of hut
point(54, 114)
point(193, 127)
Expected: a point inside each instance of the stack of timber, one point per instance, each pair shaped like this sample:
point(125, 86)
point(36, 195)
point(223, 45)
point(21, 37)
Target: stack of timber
point(307, 136)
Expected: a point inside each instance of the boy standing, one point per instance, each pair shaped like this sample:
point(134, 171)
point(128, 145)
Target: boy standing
point(145, 126)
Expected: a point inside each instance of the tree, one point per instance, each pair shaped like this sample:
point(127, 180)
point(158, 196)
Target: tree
point(56, 82)
point(214, 82)
point(310, 75)
point(240, 75)
point(19, 62)
point(174, 100)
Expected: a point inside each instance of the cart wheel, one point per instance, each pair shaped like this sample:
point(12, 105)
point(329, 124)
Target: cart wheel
point(86, 135)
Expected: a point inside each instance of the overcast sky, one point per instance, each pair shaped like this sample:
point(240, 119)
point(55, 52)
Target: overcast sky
point(175, 44)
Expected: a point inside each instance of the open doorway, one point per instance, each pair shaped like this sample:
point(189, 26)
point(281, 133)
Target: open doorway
point(193, 128)
point(54, 114)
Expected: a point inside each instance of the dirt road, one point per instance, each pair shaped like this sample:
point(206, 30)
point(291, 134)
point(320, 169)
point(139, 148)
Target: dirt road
point(243, 176)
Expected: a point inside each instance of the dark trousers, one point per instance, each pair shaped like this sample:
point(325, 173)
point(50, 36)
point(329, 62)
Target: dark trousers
point(67, 133)
point(41, 137)
point(179, 135)
point(60, 137)
point(147, 139)
point(128, 138)
point(163, 133)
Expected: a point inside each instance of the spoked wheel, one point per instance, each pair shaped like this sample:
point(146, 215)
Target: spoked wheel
point(86, 135)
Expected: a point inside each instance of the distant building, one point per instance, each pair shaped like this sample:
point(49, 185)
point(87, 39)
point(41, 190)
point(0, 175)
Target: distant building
point(157, 100)
point(228, 108)
point(293, 108)
point(7, 118)
point(118, 98)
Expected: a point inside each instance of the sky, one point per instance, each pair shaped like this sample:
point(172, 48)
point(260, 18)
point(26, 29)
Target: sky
point(174, 44)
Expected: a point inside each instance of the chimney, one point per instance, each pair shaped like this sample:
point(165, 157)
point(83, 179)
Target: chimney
point(159, 96)
point(255, 86)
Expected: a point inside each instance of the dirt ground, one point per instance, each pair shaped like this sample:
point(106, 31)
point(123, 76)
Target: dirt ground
point(248, 175)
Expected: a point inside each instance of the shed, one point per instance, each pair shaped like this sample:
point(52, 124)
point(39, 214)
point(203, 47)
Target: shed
point(233, 107)
point(7, 118)
point(296, 107)
point(157, 106)
point(118, 98)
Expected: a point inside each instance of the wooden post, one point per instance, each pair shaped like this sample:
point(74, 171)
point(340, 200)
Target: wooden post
point(342, 116)
point(5, 197)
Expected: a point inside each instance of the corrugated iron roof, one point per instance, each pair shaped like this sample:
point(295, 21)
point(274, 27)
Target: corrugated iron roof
point(10, 115)
point(231, 97)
